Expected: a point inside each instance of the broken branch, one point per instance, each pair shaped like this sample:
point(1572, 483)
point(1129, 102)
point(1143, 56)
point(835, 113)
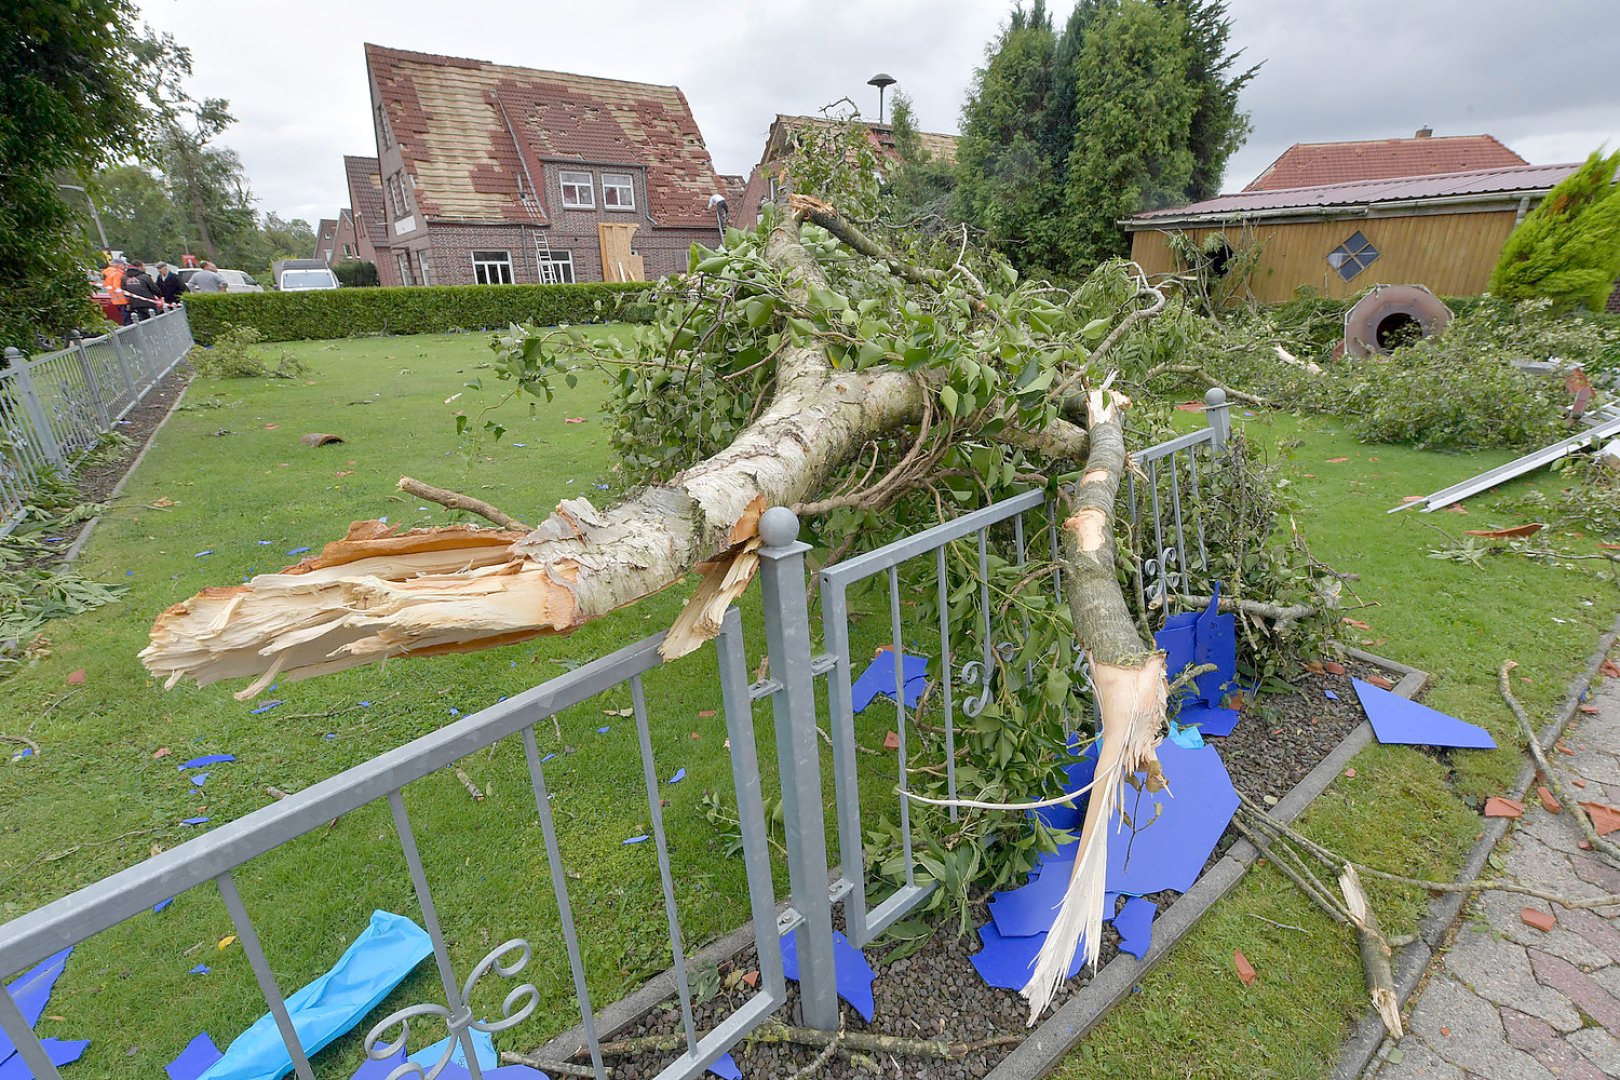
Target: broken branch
point(455, 500)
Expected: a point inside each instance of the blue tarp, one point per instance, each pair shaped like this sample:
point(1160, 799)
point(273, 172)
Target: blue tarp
point(878, 678)
point(383, 954)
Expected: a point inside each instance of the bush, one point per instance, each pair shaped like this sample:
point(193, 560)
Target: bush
point(233, 356)
point(356, 273)
point(430, 309)
point(1568, 248)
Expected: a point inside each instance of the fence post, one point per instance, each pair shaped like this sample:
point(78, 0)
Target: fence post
point(798, 754)
point(1218, 413)
point(123, 364)
point(46, 438)
point(90, 381)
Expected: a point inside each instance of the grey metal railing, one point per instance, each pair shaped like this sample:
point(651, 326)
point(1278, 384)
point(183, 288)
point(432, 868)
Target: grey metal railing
point(1158, 505)
point(56, 406)
point(215, 856)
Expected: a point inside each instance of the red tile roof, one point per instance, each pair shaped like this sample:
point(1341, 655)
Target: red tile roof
point(366, 195)
point(1314, 164)
point(1509, 183)
point(475, 136)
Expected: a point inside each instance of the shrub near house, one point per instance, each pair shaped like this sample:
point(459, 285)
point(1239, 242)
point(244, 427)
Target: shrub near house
point(436, 309)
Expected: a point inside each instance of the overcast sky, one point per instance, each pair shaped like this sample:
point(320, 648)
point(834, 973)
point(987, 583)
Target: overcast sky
point(1539, 79)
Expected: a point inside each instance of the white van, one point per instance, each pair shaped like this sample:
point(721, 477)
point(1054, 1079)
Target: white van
point(301, 275)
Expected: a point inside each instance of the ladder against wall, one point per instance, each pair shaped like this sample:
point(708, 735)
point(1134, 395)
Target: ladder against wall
point(619, 262)
point(546, 265)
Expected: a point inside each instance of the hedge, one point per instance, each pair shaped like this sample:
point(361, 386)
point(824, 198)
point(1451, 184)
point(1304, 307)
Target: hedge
point(427, 309)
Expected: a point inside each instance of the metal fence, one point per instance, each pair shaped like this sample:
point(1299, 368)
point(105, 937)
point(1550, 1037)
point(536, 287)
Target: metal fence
point(55, 406)
point(794, 667)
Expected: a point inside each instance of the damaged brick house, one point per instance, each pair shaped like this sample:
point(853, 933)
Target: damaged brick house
point(362, 225)
point(492, 174)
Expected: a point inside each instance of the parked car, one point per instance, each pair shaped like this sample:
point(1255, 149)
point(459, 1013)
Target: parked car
point(235, 280)
point(301, 275)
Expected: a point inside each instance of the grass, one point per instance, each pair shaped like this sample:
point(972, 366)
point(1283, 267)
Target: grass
point(96, 800)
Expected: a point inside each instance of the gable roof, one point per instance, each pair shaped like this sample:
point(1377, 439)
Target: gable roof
point(477, 137)
point(1382, 196)
point(366, 195)
point(1315, 164)
point(325, 233)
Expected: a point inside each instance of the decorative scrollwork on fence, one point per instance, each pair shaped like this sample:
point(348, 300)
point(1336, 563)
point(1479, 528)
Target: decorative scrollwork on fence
point(976, 673)
point(506, 960)
point(1161, 575)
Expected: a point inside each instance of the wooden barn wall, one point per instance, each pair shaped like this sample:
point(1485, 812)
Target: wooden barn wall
point(1453, 254)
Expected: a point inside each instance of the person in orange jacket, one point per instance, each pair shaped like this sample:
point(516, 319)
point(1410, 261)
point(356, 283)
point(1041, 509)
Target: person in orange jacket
point(112, 279)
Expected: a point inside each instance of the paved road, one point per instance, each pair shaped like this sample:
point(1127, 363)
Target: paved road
point(1507, 1001)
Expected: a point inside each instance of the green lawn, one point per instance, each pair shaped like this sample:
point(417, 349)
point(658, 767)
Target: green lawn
point(95, 800)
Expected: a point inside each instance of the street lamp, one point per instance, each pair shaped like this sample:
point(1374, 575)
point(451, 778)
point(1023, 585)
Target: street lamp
point(93, 211)
point(882, 81)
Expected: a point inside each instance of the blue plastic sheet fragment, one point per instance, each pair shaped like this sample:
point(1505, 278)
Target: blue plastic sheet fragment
point(194, 821)
point(161, 904)
point(266, 707)
point(1135, 925)
point(197, 1058)
point(725, 1068)
point(878, 678)
point(1008, 962)
point(200, 969)
point(851, 973)
point(1330, 695)
point(207, 760)
point(1168, 848)
point(1396, 719)
point(1185, 737)
point(378, 1070)
point(58, 1051)
point(680, 774)
point(642, 839)
point(1076, 775)
point(199, 780)
point(1216, 721)
point(32, 990)
point(483, 1047)
point(1192, 638)
point(380, 957)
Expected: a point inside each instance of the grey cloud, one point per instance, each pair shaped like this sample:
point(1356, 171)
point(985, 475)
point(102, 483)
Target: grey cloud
point(295, 74)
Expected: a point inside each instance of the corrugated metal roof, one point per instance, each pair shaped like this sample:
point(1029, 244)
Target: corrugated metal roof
point(1314, 164)
point(450, 117)
point(1523, 179)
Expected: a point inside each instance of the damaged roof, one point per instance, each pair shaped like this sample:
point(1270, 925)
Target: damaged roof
point(1363, 196)
point(477, 137)
point(366, 195)
point(1315, 164)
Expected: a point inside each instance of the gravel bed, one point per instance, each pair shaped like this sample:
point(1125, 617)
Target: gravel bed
point(936, 994)
point(97, 483)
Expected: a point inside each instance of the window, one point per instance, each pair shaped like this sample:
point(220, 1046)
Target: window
point(1353, 256)
point(618, 191)
point(348, 252)
point(403, 261)
point(561, 265)
point(579, 191)
point(427, 272)
point(395, 206)
point(492, 267)
point(384, 135)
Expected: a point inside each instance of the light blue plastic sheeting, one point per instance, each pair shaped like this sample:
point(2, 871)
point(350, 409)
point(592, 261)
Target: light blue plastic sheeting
point(383, 954)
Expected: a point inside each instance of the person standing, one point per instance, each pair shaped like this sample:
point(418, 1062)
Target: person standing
point(206, 280)
point(112, 279)
point(140, 292)
point(168, 285)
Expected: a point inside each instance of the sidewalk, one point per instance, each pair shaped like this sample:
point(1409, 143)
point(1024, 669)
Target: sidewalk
point(1506, 1001)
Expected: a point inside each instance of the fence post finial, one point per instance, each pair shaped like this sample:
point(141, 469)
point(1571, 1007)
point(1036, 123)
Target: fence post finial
point(798, 755)
point(1218, 413)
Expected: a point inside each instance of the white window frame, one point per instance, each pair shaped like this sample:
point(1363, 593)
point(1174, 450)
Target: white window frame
point(402, 263)
point(562, 260)
point(571, 179)
point(625, 185)
point(485, 263)
point(426, 267)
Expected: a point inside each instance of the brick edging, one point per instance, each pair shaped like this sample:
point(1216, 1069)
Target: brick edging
point(1413, 961)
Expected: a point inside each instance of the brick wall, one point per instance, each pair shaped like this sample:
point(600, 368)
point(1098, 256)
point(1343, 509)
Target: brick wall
point(450, 247)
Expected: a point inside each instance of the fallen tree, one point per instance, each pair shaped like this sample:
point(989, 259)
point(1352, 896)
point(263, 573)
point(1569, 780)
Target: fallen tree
point(807, 364)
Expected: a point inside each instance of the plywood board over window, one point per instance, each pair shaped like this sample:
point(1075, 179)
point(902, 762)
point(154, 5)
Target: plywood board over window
point(619, 262)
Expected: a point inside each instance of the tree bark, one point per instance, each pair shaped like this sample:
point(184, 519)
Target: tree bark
point(1129, 676)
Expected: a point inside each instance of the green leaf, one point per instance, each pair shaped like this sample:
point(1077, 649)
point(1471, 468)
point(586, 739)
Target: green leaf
point(948, 398)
